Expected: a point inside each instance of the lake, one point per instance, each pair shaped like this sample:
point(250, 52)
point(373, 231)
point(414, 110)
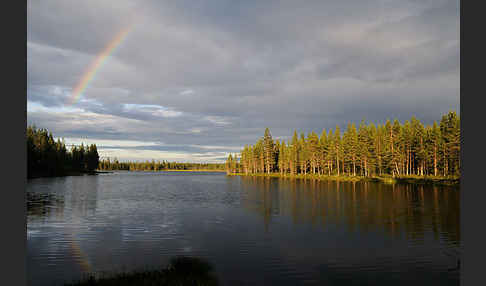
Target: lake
point(253, 230)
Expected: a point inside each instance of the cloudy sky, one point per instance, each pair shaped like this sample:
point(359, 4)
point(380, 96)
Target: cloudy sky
point(193, 80)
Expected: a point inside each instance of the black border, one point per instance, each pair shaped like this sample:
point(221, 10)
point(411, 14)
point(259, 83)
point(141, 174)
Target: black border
point(472, 190)
point(14, 97)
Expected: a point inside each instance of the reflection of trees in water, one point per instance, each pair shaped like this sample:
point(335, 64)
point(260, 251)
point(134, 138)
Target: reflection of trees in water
point(77, 194)
point(83, 195)
point(263, 202)
point(44, 204)
point(410, 210)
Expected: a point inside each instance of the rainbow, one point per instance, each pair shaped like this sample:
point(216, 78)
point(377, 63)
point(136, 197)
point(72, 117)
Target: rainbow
point(96, 65)
point(78, 254)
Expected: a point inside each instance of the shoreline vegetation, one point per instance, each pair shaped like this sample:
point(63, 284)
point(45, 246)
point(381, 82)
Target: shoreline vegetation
point(152, 165)
point(49, 158)
point(167, 170)
point(426, 180)
point(389, 153)
point(182, 270)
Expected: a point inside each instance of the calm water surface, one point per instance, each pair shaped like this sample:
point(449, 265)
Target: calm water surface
point(254, 230)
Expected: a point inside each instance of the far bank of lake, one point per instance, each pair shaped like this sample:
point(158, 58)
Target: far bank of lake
point(82, 173)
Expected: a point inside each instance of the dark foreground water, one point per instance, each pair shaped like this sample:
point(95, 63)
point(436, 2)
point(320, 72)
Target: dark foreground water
point(254, 230)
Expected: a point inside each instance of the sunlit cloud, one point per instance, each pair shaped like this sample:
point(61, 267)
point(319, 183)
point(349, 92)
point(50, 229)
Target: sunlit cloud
point(217, 120)
point(195, 130)
point(101, 143)
point(155, 110)
point(187, 92)
point(236, 148)
point(37, 107)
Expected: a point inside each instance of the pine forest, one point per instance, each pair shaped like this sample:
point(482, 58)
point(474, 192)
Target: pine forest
point(389, 149)
point(47, 157)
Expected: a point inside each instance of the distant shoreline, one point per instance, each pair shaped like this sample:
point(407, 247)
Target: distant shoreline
point(198, 170)
point(418, 180)
point(82, 173)
point(152, 171)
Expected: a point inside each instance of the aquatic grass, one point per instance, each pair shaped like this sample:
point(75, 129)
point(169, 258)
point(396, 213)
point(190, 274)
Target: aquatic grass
point(181, 270)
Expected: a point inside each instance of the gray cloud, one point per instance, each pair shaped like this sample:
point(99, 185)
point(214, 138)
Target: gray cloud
point(217, 73)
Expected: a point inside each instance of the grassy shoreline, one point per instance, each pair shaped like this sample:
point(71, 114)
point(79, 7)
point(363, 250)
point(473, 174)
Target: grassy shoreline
point(425, 180)
point(180, 271)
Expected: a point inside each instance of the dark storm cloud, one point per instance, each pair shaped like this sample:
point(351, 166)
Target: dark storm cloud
point(216, 73)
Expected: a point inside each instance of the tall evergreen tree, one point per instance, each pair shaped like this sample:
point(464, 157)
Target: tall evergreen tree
point(294, 153)
point(323, 151)
point(303, 154)
point(268, 150)
point(337, 148)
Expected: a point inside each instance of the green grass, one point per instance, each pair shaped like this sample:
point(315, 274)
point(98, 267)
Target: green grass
point(426, 180)
point(180, 271)
point(387, 179)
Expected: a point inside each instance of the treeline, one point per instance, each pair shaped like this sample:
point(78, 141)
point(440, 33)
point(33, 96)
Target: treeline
point(153, 165)
point(367, 150)
point(47, 157)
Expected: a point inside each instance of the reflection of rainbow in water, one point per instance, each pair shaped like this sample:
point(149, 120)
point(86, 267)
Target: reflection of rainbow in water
point(80, 256)
point(95, 66)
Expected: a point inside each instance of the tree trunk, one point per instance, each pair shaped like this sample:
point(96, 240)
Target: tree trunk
point(365, 167)
point(435, 160)
point(337, 162)
point(408, 162)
